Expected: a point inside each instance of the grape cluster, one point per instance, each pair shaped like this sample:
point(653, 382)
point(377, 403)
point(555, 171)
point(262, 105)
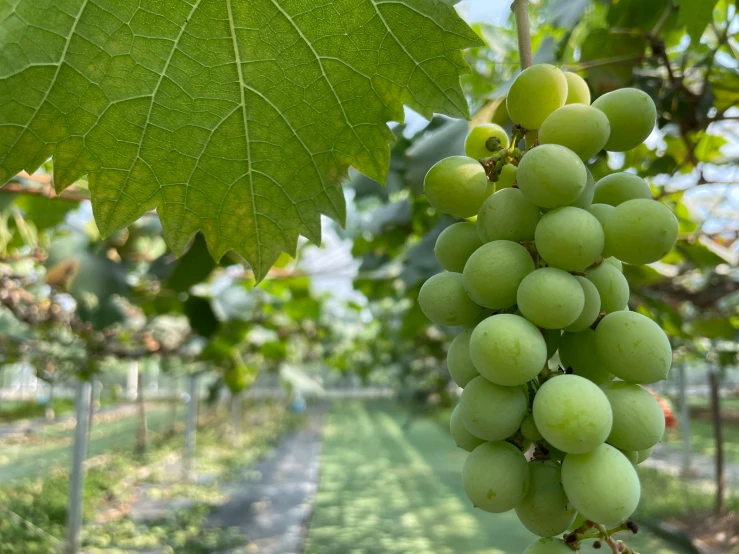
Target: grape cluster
point(540, 272)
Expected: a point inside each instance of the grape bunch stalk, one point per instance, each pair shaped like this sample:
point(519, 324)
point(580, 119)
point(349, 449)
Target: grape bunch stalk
point(540, 271)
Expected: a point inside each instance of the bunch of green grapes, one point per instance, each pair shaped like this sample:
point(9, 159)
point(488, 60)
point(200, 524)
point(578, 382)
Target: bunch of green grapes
point(539, 273)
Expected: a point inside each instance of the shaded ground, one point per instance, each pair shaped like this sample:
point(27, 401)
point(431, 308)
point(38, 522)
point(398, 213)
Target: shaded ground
point(386, 492)
point(702, 467)
point(272, 508)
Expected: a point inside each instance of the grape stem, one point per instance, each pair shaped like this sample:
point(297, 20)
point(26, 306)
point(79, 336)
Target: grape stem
point(520, 9)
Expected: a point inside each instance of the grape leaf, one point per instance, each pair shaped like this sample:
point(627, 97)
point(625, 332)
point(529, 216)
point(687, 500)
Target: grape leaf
point(239, 119)
point(695, 15)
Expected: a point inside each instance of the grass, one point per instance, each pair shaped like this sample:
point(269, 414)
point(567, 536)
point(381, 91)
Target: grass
point(702, 439)
point(386, 492)
point(51, 447)
point(665, 497)
point(112, 486)
point(30, 409)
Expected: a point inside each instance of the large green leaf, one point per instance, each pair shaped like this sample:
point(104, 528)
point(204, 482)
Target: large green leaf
point(695, 15)
point(235, 118)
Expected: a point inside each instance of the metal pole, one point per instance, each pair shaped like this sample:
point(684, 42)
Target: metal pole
point(236, 411)
point(716, 416)
point(684, 419)
point(191, 428)
point(77, 475)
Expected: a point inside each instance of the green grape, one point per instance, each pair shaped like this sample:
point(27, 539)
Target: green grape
point(462, 437)
point(548, 546)
point(535, 93)
point(495, 476)
point(581, 128)
point(579, 521)
point(633, 347)
point(458, 359)
point(572, 413)
point(602, 212)
point(492, 425)
point(615, 262)
point(612, 286)
point(531, 138)
point(586, 196)
point(632, 114)
point(456, 244)
point(500, 113)
point(490, 190)
point(644, 454)
point(507, 215)
point(590, 310)
point(569, 238)
point(552, 338)
point(617, 188)
point(577, 89)
point(456, 186)
point(494, 271)
point(638, 419)
point(551, 176)
point(630, 455)
point(602, 484)
point(529, 430)
point(641, 231)
point(443, 300)
point(506, 178)
point(577, 350)
point(545, 510)
point(475, 145)
point(550, 298)
point(508, 350)
point(555, 453)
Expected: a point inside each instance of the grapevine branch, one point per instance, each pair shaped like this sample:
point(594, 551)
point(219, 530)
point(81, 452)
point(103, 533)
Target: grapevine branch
point(520, 9)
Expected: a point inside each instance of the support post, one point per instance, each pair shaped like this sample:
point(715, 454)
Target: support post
point(716, 415)
point(521, 11)
point(684, 421)
point(191, 428)
point(77, 474)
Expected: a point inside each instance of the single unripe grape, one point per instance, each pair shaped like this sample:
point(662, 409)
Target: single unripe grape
point(508, 350)
point(552, 338)
point(632, 114)
point(462, 437)
point(612, 286)
point(581, 128)
point(492, 425)
point(476, 143)
point(490, 190)
point(586, 196)
point(615, 262)
point(644, 454)
point(633, 347)
point(590, 310)
point(569, 238)
point(577, 89)
point(530, 138)
point(500, 113)
point(443, 300)
point(572, 413)
point(529, 430)
point(535, 93)
point(545, 510)
point(495, 476)
point(631, 455)
point(551, 176)
point(506, 178)
point(638, 419)
point(602, 212)
point(548, 546)
point(617, 188)
point(550, 298)
point(494, 271)
point(456, 186)
point(641, 231)
point(577, 350)
point(458, 359)
point(456, 244)
point(507, 215)
point(602, 484)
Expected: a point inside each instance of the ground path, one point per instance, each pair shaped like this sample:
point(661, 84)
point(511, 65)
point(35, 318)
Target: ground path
point(670, 460)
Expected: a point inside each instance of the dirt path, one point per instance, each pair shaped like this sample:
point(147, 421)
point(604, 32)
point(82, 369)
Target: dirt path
point(274, 505)
point(670, 460)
